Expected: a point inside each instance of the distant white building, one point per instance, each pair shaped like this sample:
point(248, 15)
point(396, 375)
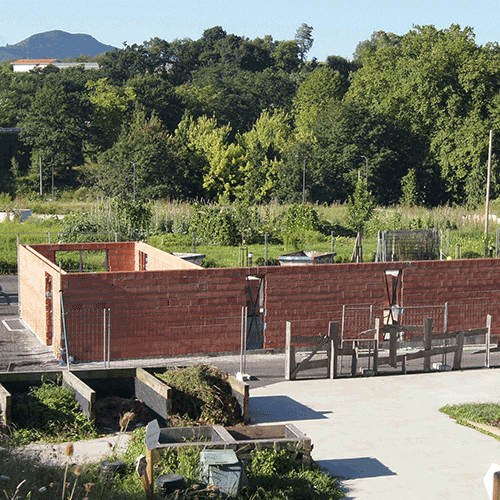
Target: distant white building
point(25, 65)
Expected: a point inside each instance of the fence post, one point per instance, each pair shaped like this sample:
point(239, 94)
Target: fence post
point(333, 334)
point(289, 352)
point(457, 360)
point(427, 342)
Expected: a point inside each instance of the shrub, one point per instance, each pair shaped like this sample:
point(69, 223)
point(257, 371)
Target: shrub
point(202, 395)
point(49, 413)
point(214, 224)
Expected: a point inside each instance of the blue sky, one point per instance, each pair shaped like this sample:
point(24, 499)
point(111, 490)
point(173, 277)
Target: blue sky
point(339, 25)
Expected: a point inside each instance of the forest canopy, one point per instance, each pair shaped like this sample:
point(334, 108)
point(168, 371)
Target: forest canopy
point(225, 117)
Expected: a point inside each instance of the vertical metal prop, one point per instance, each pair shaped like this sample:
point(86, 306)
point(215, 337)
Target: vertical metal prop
point(243, 353)
point(63, 318)
point(445, 330)
point(266, 249)
point(109, 338)
point(104, 337)
point(488, 340)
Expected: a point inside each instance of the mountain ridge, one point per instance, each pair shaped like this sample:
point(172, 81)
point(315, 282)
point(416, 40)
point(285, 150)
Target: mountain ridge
point(55, 44)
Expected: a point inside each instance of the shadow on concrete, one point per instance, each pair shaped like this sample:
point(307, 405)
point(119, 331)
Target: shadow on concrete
point(356, 468)
point(281, 408)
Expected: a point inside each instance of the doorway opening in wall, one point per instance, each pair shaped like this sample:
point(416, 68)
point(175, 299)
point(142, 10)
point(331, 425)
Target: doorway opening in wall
point(82, 261)
point(256, 301)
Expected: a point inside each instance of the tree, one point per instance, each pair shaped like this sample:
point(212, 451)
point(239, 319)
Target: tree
point(56, 125)
point(140, 165)
point(317, 92)
point(222, 176)
point(304, 39)
point(111, 108)
point(441, 86)
point(264, 155)
point(359, 211)
point(409, 188)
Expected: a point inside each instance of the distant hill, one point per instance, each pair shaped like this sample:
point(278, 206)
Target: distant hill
point(54, 45)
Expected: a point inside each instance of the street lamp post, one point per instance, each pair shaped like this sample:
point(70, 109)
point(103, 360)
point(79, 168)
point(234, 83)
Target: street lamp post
point(304, 182)
point(133, 180)
point(366, 169)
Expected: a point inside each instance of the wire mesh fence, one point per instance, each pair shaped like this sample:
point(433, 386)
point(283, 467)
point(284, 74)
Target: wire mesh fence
point(402, 245)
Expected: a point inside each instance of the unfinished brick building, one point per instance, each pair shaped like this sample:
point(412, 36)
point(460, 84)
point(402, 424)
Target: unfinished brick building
point(149, 303)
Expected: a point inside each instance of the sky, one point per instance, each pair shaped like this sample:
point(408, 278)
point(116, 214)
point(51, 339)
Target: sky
point(338, 25)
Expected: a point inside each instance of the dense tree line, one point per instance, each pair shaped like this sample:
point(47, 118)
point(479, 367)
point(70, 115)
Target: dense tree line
point(226, 117)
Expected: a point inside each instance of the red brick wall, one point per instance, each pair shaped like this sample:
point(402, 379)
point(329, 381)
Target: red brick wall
point(121, 256)
point(34, 303)
point(155, 313)
point(193, 311)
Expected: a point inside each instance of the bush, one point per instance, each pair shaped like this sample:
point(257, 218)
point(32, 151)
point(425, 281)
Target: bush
point(49, 413)
point(214, 224)
point(201, 395)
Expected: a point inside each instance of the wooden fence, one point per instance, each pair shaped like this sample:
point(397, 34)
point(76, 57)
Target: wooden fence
point(367, 344)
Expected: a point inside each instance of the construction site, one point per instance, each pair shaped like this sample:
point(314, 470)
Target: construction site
point(151, 304)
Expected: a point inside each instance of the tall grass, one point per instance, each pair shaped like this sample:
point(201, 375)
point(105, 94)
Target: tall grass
point(463, 231)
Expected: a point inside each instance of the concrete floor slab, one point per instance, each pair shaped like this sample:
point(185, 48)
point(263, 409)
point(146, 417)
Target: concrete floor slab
point(386, 436)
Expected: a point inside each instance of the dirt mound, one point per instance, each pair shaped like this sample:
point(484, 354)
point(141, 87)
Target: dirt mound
point(109, 411)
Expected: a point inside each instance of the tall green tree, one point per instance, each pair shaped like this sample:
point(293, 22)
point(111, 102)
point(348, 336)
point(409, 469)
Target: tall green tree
point(440, 85)
point(141, 164)
point(56, 124)
point(304, 39)
point(265, 149)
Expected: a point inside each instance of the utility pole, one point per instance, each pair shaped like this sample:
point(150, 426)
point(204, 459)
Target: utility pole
point(134, 180)
point(40, 168)
point(304, 182)
point(366, 169)
point(488, 182)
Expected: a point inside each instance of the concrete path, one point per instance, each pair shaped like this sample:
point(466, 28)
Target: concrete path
point(386, 436)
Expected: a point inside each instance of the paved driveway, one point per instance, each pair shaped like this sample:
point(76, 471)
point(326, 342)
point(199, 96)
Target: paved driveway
point(386, 436)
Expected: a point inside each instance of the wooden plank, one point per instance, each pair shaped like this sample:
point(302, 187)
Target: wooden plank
point(427, 342)
point(307, 339)
point(313, 364)
point(303, 364)
point(401, 328)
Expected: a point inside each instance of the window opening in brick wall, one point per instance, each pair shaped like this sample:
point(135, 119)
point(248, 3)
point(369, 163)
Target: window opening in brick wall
point(83, 261)
point(143, 261)
point(255, 290)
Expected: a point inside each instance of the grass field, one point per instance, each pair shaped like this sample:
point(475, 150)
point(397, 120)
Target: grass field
point(463, 232)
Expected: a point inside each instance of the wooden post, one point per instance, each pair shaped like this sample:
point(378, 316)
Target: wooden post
point(393, 347)
point(333, 334)
point(488, 340)
point(427, 343)
point(354, 364)
point(496, 486)
point(457, 359)
point(149, 474)
point(289, 352)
